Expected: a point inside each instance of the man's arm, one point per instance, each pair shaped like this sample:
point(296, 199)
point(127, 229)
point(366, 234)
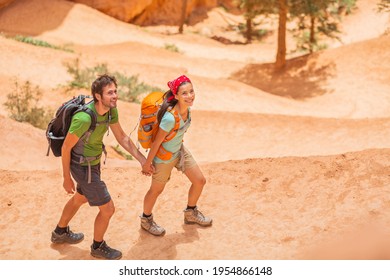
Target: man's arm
point(69, 142)
point(125, 141)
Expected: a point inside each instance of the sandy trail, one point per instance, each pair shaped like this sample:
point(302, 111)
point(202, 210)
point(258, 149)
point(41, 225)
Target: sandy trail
point(297, 165)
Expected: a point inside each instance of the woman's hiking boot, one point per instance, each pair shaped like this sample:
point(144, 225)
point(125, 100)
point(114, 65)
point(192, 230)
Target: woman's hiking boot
point(148, 224)
point(194, 216)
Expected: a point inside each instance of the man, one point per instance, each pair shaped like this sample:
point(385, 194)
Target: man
point(81, 159)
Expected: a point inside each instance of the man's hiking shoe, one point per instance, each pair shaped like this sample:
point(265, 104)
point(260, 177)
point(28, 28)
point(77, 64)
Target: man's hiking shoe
point(150, 226)
point(67, 237)
point(105, 252)
point(194, 216)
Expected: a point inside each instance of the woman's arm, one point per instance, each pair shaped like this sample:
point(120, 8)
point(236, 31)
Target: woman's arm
point(160, 136)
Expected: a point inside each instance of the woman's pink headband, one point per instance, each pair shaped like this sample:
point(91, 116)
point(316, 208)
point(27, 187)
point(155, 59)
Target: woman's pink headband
point(175, 84)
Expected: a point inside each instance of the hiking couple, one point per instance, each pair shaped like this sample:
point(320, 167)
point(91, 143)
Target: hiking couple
point(90, 188)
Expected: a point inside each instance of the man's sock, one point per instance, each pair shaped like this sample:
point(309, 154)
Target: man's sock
point(96, 244)
point(61, 230)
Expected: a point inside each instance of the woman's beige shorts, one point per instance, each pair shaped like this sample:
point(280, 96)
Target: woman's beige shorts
point(163, 171)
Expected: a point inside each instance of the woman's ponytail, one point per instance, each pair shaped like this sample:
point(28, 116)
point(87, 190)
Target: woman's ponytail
point(168, 102)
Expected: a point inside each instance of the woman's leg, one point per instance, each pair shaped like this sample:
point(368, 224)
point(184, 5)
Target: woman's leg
point(192, 215)
point(147, 221)
point(151, 196)
point(198, 181)
point(159, 180)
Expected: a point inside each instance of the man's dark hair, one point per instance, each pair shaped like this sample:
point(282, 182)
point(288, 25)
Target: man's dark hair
point(100, 83)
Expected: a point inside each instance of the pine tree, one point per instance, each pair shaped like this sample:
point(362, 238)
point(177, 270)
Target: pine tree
point(318, 17)
point(253, 8)
point(315, 17)
point(280, 62)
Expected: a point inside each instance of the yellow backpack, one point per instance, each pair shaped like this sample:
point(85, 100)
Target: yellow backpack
point(148, 124)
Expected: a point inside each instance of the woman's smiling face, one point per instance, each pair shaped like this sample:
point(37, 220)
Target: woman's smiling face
point(185, 94)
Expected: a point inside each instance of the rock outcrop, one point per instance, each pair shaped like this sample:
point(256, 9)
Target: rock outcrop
point(155, 12)
point(4, 3)
point(124, 10)
point(152, 12)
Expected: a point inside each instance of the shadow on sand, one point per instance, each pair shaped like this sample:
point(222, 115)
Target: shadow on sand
point(302, 78)
point(16, 19)
point(149, 247)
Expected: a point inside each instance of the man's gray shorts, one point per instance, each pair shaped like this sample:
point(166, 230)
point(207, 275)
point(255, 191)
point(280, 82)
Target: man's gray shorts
point(96, 192)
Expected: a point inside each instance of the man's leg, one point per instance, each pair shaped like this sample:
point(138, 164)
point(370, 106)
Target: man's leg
point(99, 248)
point(71, 208)
point(62, 233)
point(102, 220)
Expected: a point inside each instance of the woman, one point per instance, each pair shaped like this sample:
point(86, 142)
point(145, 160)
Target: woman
point(167, 151)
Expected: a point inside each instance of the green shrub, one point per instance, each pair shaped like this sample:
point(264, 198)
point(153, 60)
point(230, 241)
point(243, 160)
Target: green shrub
point(304, 44)
point(22, 104)
point(40, 43)
point(83, 78)
point(257, 33)
point(122, 153)
point(171, 47)
point(384, 6)
point(129, 88)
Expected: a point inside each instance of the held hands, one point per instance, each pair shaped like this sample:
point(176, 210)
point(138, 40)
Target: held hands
point(147, 169)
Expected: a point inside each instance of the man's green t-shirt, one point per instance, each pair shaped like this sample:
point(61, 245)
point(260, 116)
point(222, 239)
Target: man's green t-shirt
point(81, 123)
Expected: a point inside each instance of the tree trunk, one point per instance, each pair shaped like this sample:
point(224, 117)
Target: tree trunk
point(249, 30)
point(312, 34)
point(183, 15)
point(281, 53)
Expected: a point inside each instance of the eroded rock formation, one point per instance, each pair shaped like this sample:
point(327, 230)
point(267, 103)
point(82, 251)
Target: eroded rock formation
point(154, 12)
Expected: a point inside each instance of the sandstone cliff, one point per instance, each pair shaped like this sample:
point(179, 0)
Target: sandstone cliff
point(155, 12)
point(4, 3)
point(151, 12)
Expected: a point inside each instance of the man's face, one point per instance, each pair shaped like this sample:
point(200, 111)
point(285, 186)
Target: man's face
point(109, 96)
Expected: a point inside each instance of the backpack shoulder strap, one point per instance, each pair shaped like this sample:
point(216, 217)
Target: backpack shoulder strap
point(106, 122)
point(175, 129)
point(93, 116)
point(109, 118)
point(91, 113)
